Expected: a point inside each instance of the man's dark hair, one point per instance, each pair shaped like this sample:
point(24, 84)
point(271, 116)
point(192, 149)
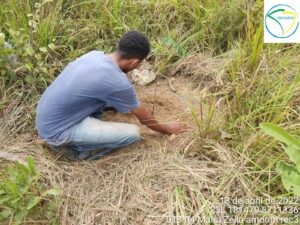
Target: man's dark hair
point(134, 44)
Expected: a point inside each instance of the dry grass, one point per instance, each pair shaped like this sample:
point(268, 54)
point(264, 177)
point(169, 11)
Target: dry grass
point(131, 186)
point(207, 71)
point(157, 177)
point(146, 183)
point(138, 185)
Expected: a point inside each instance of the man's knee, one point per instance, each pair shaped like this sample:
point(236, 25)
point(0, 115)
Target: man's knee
point(134, 133)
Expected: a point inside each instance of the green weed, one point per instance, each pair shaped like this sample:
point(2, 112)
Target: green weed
point(22, 197)
point(290, 175)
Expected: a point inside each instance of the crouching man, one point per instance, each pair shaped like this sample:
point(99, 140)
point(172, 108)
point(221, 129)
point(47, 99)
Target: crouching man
point(68, 115)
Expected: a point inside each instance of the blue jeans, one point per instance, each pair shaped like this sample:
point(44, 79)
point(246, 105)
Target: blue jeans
point(93, 138)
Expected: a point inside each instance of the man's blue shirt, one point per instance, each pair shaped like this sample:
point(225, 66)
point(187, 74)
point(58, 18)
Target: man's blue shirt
point(84, 87)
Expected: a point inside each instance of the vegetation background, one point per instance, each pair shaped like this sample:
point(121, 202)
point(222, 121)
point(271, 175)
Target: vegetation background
point(260, 83)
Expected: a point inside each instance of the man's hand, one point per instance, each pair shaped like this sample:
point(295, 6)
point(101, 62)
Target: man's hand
point(148, 120)
point(177, 128)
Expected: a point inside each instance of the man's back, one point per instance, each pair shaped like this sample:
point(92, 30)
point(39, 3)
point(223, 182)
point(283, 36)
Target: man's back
point(85, 86)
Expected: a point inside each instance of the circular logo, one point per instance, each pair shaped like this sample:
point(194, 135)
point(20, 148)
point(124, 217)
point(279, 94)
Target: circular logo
point(282, 21)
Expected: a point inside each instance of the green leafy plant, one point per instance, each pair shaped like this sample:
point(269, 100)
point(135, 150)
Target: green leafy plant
point(3, 51)
point(175, 46)
point(21, 195)
point(290, 175)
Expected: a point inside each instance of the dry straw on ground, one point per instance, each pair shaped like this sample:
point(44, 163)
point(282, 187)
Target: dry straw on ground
point(144, 183)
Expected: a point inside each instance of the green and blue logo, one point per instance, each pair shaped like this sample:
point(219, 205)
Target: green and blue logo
point(282, 21)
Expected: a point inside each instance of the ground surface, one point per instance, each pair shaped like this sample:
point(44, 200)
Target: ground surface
point(146, 182)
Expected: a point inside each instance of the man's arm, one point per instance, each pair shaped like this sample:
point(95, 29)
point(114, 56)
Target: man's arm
point(148, 120)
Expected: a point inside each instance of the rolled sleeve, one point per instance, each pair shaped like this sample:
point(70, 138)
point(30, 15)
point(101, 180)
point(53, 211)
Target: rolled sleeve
point(124, 101)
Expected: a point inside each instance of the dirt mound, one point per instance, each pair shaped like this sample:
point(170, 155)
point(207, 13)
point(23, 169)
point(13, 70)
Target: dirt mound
point(160, 101)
